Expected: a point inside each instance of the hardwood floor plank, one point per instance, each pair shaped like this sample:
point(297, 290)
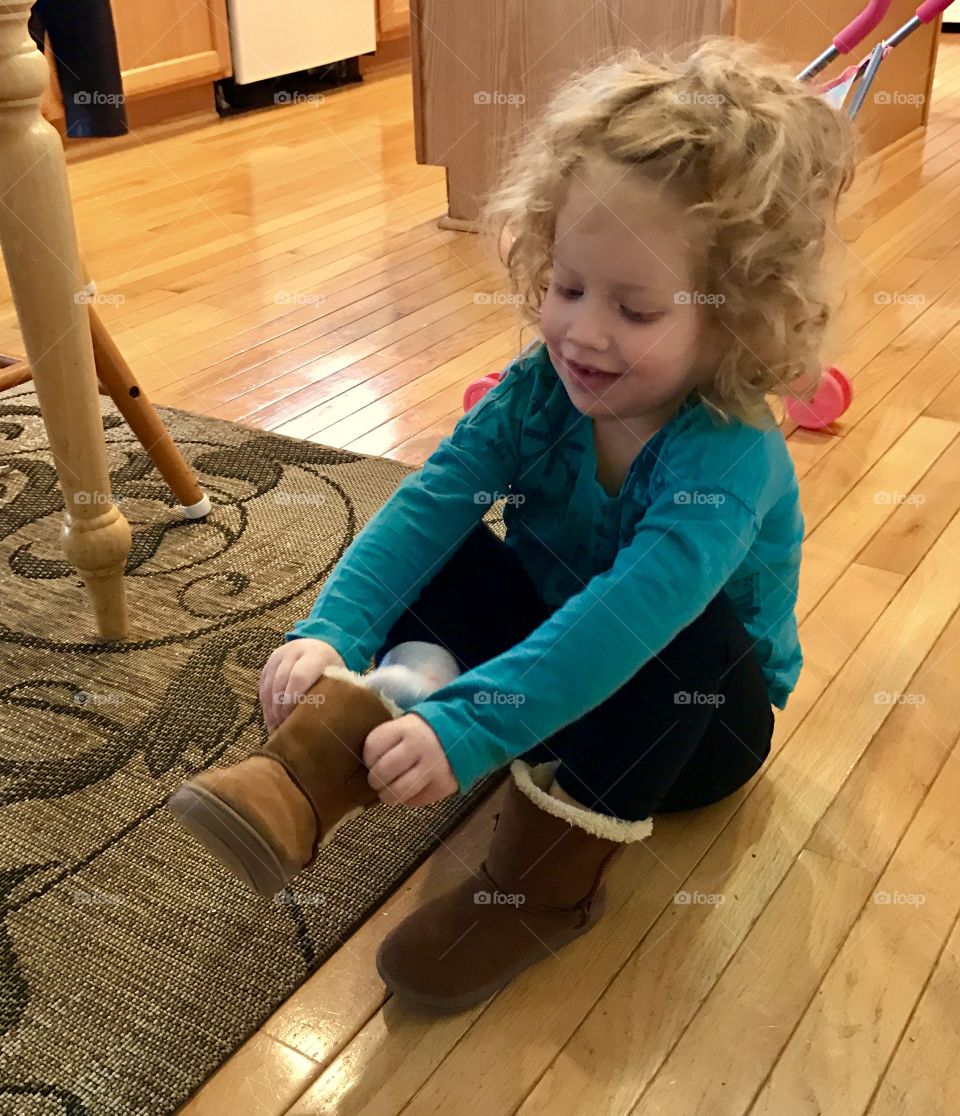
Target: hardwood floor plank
point(841, 1048)
point(922, 1074)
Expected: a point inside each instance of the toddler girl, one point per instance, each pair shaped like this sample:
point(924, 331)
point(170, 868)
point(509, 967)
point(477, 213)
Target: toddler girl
point(664, 225)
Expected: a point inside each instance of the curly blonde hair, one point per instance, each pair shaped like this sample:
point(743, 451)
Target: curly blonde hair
point(758, 159)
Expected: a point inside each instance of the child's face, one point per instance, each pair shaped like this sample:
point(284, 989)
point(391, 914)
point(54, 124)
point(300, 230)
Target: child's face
point(621, 301)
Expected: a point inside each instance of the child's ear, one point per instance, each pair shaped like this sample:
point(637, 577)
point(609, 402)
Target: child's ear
point(711, 331)
point(709, 347)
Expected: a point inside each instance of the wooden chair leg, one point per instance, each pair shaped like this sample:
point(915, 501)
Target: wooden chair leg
point(136, 408)
point(40, 250)
point(115, 379)
point(11, 375)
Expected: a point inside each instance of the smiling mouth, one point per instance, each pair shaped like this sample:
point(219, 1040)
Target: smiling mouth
point(589, 375)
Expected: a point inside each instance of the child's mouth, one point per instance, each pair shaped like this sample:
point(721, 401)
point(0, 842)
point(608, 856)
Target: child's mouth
point(589, 377)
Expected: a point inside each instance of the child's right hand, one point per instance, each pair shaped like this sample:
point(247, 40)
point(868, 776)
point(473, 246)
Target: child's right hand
point(289, 672)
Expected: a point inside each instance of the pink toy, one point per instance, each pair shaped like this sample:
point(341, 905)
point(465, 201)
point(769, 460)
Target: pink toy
point(831, 399)
point(479, 388)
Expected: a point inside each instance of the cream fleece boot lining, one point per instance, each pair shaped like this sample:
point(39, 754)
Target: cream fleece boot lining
point(535, 781)
point(347, 675)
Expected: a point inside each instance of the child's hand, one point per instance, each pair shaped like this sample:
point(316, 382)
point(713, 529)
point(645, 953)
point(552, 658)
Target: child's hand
point(407, 763)
point(289, 672)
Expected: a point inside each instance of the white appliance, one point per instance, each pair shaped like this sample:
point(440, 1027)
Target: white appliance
point(273, 37)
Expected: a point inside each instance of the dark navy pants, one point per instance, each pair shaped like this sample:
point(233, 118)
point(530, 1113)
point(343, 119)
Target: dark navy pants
point(644, 750)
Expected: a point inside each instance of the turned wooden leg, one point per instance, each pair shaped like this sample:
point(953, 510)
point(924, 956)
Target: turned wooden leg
point(40, 251)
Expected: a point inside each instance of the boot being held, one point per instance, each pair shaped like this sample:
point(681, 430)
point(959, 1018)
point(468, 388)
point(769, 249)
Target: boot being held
point(266, 817)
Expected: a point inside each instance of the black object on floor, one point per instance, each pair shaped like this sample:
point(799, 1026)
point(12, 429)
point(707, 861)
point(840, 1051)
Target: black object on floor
point(84, 46)
point(286, 89)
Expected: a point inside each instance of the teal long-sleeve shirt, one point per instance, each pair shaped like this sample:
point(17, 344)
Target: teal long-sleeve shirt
point(705, 506)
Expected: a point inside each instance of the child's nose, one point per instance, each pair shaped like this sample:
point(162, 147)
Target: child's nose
point(588, 328)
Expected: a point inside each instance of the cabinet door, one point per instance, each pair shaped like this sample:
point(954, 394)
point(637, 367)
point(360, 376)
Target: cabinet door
point(168, 43)
point(393, 18)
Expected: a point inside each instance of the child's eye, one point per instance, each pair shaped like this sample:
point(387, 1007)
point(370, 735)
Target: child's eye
point(630, 315)
point(637, 316)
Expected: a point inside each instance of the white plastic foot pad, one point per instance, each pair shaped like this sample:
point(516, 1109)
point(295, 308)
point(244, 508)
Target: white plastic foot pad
point(199, 509)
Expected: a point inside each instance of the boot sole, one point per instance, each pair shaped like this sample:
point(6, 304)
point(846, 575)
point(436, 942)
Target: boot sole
point(449, 1004)
point(229, 838)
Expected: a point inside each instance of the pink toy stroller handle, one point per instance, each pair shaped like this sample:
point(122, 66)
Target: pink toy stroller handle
point(931, 9)
point(857, 30)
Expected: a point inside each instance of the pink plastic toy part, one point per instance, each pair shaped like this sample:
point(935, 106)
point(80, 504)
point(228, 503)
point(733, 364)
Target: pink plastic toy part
point(831, 399)
point(861, 26)
point(931, 9)
point(479, 388)
point(848, 75)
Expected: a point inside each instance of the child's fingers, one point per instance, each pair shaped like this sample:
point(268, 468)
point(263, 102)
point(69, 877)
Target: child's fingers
point(385, 772)
point(296, 673)
point(381, 740)
point(289, 672)
point(268, 687)
point(407, 787)
point(278, 691)
point(270, 667)
point(425, 797)
point(304, 673)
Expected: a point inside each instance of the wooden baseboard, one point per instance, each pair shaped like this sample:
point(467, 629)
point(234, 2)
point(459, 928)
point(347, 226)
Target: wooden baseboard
point(161, 108)
point(458, 224)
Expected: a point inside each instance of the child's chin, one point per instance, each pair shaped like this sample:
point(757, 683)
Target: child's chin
point(586, 403)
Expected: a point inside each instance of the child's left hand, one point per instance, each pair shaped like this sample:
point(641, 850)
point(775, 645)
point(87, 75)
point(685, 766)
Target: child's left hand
point(407, 763)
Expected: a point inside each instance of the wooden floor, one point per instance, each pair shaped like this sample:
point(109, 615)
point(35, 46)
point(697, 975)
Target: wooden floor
point(284, 269)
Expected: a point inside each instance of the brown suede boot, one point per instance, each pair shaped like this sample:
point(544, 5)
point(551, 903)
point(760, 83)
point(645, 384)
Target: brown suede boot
point(540, 887)
point(265, 817)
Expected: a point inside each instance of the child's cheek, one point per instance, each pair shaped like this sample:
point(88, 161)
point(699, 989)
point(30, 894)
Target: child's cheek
point(551, 320)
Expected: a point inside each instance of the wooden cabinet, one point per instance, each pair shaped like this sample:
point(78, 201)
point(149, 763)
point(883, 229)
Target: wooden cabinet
point(481, 72)
point(393, 35)
point(393, 19)
point(167, 44)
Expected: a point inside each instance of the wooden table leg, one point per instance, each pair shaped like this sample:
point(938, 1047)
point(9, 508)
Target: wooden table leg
point(40, 251)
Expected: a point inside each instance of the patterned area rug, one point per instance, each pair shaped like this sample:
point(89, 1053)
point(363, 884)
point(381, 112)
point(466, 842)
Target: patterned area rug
point(132, 964)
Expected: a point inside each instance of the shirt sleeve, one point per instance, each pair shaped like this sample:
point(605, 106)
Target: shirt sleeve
point(686, 546)
point(413, 534)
